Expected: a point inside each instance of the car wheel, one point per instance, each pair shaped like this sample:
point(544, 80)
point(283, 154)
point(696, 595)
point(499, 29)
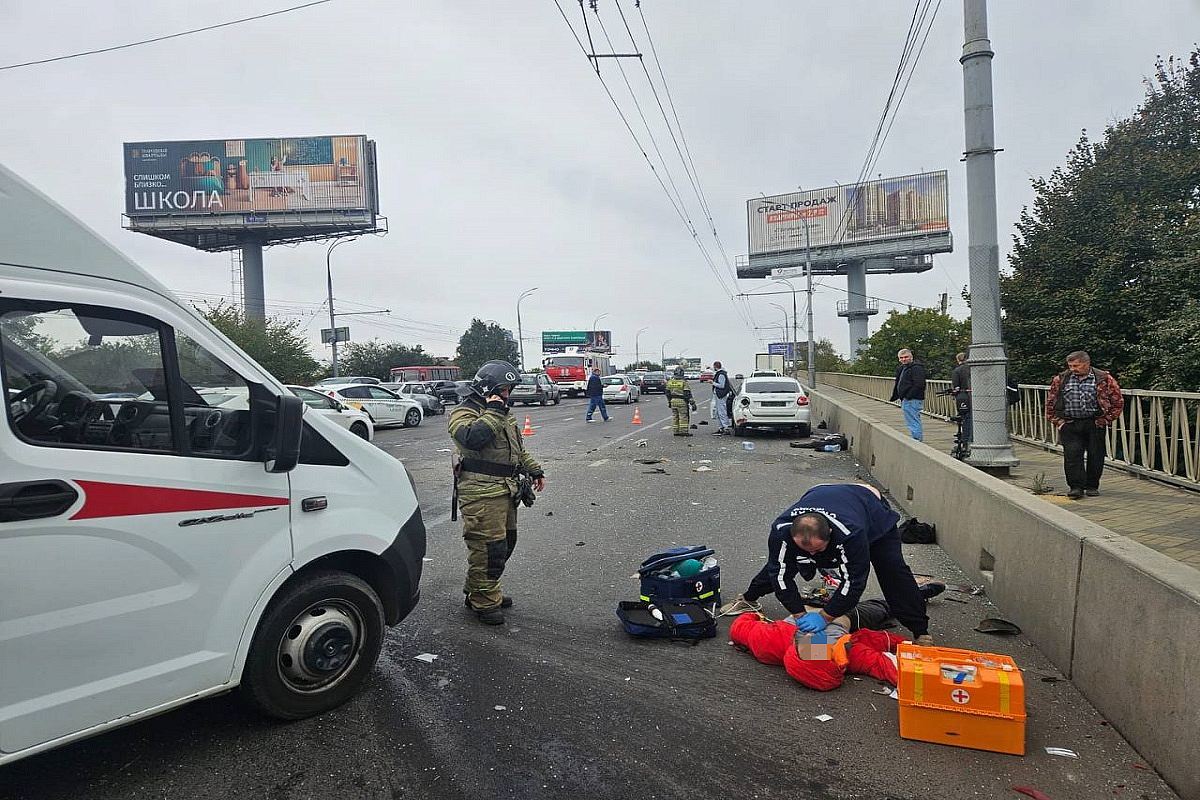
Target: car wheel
point(557, 399)
point(413, 418)
point(360, 430)
point(315, 643)
point(805, 429)
point(739, 430)
point(545, 401)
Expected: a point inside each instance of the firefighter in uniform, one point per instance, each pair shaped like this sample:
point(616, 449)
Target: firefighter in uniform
point(491, 467)
point(679, 398)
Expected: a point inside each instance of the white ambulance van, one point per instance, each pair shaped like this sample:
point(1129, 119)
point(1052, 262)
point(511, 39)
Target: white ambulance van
point(154, 548)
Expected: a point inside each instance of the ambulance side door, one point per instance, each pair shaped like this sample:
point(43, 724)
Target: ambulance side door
point(139, 526)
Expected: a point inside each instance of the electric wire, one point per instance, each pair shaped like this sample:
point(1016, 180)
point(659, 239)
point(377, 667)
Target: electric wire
point(163, 38)
point(742, 312)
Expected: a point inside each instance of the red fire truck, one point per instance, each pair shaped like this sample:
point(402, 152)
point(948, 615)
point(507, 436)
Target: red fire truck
point(570, 370)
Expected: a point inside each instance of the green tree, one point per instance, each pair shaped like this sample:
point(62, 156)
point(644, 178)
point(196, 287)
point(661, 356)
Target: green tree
point(1108, 257)
point(274, 343)
point(481, 343)
point(376, 358)
point(932, 336)
point(828, 359)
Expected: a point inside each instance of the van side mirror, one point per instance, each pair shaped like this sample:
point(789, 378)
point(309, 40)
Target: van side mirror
point(283, 454)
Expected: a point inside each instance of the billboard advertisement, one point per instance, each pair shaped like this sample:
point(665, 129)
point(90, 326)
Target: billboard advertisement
point(880, 211)
point(249, 178)
point(593, 341)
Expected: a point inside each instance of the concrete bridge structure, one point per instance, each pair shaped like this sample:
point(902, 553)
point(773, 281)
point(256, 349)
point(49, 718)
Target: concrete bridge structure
point(1107, 587)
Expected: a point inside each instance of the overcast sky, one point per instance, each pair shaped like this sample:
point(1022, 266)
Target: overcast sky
point(504, 166)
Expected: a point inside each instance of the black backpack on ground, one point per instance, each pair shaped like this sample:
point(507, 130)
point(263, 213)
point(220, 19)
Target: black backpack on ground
point(913, 531)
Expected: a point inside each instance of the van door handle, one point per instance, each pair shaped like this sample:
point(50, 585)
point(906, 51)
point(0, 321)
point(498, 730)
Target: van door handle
point(35, 499)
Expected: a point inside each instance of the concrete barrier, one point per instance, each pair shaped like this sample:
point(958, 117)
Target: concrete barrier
point(1120, 619)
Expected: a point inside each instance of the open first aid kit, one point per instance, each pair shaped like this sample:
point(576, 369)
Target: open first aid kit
point(682, 575)
point(666, 620)
point(961, 698)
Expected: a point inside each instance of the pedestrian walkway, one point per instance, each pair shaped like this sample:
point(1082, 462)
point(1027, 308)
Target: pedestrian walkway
point(1163, 517)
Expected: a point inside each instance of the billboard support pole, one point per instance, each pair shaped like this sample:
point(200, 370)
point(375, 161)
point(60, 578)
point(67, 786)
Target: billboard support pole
point(333, 338)
point(812, 347)
point(252, 281)
point(856, 305)
point(991, 448)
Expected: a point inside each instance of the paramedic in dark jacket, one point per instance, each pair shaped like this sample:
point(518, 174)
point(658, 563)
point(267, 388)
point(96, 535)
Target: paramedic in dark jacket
point(843, 529)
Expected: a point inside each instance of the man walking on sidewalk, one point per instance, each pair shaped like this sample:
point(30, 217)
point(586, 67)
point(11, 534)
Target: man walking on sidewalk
point(1082, 402)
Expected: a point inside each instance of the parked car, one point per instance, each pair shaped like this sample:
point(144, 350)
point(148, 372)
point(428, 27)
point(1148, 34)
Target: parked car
point(619, 389)
point(352, 419)
point(420, 392)
point(706, 375)
point(771, 403)
point(692, 375)
point(764, 373)
point(348, 379)
point(535, 388)
point(383, 406)
point(654, 382)
point(450, 392)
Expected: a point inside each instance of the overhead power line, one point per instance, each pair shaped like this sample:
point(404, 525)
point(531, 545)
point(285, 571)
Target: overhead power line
point(675, 198)
point(163, 38)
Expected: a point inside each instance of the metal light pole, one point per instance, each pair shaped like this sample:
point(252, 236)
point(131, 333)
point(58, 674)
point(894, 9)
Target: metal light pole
point(637, 354)
point(785, 329)
point(662, 354)
point(991, 447)
point(520, 337)
point(795, 324)
point(329, 284)
point(596, 322)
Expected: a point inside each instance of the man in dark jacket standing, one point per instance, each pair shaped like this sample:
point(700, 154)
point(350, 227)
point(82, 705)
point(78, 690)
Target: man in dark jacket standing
point(1082, 402)
point(909, 389)
point(844, 530)
point(595, 396)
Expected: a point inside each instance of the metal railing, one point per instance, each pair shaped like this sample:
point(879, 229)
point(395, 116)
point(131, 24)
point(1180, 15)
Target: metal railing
point(1157, 434)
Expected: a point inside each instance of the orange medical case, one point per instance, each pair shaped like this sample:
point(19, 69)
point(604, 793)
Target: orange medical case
point(961, 698)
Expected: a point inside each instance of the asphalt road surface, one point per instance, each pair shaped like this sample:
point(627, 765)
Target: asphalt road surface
point(560, 702)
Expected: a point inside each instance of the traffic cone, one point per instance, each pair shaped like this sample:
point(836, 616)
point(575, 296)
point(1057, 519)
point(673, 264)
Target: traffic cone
point(528, 428)
point(637, 416)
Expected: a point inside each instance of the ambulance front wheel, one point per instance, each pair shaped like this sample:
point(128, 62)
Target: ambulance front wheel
point(318, 639)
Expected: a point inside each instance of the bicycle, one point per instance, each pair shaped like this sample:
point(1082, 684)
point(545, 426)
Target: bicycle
point(962, 402)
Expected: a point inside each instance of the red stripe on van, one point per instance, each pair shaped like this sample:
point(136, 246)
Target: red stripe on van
point(127, 500)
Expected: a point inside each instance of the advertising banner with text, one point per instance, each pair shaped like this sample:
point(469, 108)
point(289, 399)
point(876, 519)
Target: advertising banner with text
point(241, 176)
point(876, 211)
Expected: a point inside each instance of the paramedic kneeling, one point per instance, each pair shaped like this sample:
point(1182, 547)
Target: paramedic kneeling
point(843, 529)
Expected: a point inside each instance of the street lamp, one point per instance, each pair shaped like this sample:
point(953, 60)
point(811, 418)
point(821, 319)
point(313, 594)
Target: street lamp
point(329, 283)
point(785, 328)
point(520, 338)
point(637, 355)
point(662, 353)
point(596, 322)
point(795, 324)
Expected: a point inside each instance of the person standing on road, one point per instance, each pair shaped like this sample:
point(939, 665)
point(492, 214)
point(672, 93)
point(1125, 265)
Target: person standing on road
point(492, 464)
point(909, 389)
point(595, 396)
point(679, 398)
point(1081, 403)
point(843, 529)
point(721, 391)
point(960, 387)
